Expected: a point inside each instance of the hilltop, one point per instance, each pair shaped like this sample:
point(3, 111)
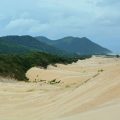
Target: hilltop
point(81, 46)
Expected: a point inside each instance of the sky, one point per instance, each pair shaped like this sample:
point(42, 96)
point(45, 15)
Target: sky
point(99, 20)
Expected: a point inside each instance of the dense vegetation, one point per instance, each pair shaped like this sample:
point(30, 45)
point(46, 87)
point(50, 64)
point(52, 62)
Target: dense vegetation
point(15, 66)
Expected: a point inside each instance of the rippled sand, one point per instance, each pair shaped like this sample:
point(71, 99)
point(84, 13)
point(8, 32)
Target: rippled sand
point(86, 90)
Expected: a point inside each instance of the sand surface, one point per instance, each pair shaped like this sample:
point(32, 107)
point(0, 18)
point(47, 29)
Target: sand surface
point(86, 90)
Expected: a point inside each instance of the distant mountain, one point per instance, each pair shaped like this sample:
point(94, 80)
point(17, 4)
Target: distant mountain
point(65, 46)
point(82, 46)
point(23, 44)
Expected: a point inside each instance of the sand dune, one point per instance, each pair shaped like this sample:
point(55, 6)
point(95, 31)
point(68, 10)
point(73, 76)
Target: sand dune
point(88, 90)
point(106, 113)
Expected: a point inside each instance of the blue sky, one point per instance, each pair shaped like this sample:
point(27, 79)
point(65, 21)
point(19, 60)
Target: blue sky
point(98, 20)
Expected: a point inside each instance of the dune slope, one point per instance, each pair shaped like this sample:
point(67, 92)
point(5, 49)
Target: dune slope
point(87, 90)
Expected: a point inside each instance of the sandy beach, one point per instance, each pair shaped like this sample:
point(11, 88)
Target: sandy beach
point(86, 90)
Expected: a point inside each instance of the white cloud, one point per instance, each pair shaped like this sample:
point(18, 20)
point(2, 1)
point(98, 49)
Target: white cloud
point(20, 25)
point(57, 18)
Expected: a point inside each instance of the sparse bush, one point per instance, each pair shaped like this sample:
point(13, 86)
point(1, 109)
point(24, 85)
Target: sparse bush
point(54, 82)
point(100, 70)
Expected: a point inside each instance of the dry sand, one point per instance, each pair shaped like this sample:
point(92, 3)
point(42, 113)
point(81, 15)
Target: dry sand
point(88, 90)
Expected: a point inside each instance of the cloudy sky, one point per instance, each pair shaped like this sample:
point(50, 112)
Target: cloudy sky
point(98, 20)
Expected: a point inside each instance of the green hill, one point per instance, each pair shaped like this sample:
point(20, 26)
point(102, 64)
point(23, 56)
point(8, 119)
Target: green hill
point(20, 53)
point(82, 46)
point(24, 44)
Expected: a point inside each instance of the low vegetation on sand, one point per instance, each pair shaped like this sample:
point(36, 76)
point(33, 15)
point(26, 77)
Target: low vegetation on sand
point(15, 66)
